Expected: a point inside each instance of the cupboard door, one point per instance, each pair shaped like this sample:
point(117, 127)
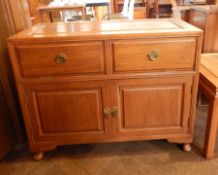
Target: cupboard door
point(67, 112)
point(152, 108)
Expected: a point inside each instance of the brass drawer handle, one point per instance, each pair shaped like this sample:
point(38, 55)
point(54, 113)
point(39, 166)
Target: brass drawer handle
point(60, 58)
point(107, 112)
point(153, 55)
point(114, 111)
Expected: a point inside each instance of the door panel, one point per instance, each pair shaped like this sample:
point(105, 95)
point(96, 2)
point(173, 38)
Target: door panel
point(154, 106)
point(79, 114)
point(67, 112)
point(151, 106)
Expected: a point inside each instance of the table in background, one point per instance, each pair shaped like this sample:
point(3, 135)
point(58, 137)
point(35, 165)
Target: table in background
point(49, 10)
point(97, 3)
point(208, 85)
point(81, 7)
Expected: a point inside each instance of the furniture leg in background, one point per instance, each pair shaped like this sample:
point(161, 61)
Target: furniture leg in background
point(49, 10)
point(95, 4)
point(211, 132)
point(208, 85)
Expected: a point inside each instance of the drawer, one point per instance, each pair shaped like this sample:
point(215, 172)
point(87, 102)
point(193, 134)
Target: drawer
point(154, 54)
point(51, 59)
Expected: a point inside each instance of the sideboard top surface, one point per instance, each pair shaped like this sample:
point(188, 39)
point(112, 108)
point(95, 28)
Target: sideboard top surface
point(106, 30)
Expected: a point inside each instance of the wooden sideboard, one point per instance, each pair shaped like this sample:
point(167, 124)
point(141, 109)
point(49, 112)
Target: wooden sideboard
point(107, 81)
point(206, 18)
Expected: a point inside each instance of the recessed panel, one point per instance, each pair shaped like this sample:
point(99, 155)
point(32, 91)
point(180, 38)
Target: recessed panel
point(151, 107)
point(69, 111)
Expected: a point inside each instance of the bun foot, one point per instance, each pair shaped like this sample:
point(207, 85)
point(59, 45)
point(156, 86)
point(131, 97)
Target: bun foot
point(38, 156)
point(187, 147)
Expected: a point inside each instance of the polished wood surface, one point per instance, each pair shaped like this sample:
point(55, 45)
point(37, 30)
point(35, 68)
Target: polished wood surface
point(105, 30)
point(77, 58)
point(175, 53)
point(67, 112)
point(209, 86)
point(112, 102)
point(154, 106)
point(206, 18)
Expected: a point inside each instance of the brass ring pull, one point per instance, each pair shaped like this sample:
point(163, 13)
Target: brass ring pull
point(60, 58)
point(114, 111)
point(153, 55)
point(107, 112)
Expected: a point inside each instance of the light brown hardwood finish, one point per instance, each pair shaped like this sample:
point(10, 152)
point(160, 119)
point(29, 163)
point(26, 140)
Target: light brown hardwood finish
point(209, 86)
point(110, 87)
point(175, 53)
point(17, 15)
point(206, 18)
point(61, 58)
point(14, 17)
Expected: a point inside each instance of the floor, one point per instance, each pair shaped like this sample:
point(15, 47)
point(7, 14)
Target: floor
point(129, 158)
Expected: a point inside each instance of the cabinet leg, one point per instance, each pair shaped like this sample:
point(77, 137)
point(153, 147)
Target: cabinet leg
point(38, 156)
point(187, 147)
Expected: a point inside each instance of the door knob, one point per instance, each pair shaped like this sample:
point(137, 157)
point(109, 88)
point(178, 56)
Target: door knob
point(107, 112)
point(60, 58)
point(114, 111)
point(153, 55)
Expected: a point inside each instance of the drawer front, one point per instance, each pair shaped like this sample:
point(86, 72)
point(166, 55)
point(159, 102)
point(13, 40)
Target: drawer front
point(154, 54)
point(61, 58)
